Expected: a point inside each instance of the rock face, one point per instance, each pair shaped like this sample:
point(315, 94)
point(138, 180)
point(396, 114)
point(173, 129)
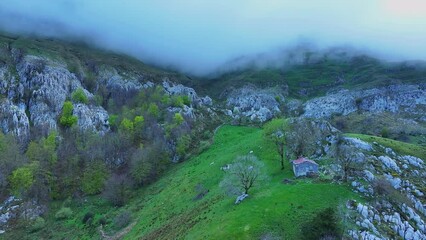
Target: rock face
point(41, 87)
point(403, 98)
point(180, 90)
point(14, 120)
point(118, 84)
point(255, 104)
point(92, 118)
point(47, 85)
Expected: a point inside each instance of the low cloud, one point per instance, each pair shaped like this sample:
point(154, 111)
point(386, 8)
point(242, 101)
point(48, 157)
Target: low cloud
point(200, 37)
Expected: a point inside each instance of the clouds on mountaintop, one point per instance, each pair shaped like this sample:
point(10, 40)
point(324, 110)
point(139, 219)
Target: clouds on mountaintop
point(199, 36)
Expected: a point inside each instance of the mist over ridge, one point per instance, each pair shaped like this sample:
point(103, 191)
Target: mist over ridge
point(200, 38)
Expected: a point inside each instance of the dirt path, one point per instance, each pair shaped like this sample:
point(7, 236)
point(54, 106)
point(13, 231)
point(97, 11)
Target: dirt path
point(118, 235)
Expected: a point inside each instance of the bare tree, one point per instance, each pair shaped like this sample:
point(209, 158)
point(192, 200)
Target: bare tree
point(346, 158)
point(244, 173)
point(275, 131)
point(301, 138)
point(280, 142)
point(307, 137)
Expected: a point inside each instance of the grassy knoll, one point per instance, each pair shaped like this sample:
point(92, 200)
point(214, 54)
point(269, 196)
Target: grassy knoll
point(399, 147)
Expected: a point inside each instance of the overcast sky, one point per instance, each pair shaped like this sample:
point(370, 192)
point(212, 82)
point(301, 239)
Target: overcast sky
point(198, 36)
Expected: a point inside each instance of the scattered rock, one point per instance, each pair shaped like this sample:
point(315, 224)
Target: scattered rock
point(359, 143)
point(389, 163)
point(287, 181)
point(241, 198)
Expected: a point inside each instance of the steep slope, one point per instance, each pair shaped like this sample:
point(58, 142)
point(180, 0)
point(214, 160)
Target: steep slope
point(83, 117)
point(273, 207)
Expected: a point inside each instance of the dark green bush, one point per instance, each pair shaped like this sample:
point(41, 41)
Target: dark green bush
point(323, 225)
point(102, 221)
point(186, 100)
point(88, 217)
point(38, 224)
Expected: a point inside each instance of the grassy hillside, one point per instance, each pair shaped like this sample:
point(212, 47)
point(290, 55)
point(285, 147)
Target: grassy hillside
point(168, 211)
point(399, 147)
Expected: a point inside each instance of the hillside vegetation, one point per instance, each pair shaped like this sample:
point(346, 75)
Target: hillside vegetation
point(168, 210)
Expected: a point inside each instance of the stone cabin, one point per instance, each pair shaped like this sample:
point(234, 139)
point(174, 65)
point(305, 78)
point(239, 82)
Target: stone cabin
point(302, 166)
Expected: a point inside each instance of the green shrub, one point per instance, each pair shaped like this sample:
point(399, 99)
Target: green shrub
point(183, 144)
point(177, 101)
point(139, 121)
point(127, 125)
point(63, 213)
point(178, 119)
point(79, 96)
point(22, 179)
point(385, 132)
point(113, 120)
point(278, 98)
point(154, 110)
point(67, 119)
point(165, 99)
point(38, 224)
point(93, 179)
point(186, 100)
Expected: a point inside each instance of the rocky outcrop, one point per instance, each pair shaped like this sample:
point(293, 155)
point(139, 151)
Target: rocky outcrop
point(115, 82)
point(41, 87)
point(10, 87)
point(178, 89)
point(47, 84)
point(255, 104)
point(13, 119)
point(397, 98)
point(91, 118)
point(13, 208)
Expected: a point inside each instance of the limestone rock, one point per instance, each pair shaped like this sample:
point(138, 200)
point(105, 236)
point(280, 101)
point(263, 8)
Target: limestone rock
point(49, 84)
point(13, 119)
point(241, 198)
point(255, 104)
point(414, 161)
point(91, 118)
point(179, 89)
point(389, 163)
point(405, 98)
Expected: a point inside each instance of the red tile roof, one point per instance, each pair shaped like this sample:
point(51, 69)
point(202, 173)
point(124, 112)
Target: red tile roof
point(303, 160)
